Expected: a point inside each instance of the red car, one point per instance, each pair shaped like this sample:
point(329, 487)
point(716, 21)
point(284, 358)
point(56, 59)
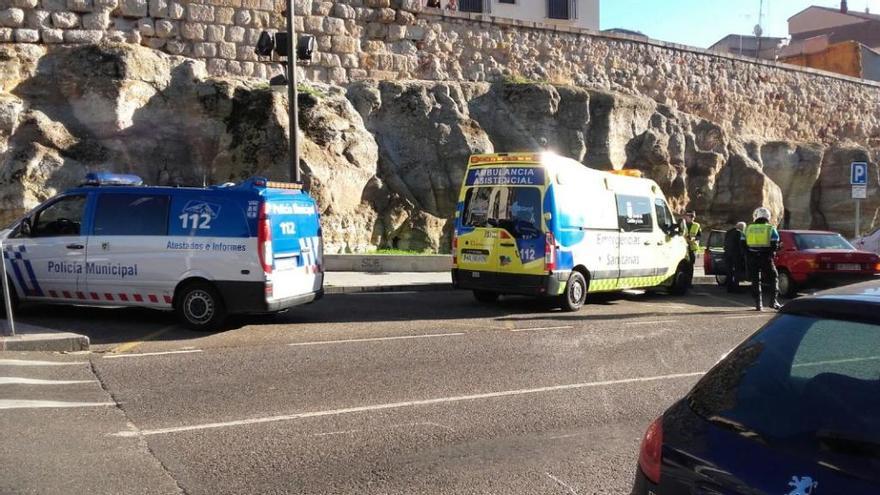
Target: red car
point(809, 259)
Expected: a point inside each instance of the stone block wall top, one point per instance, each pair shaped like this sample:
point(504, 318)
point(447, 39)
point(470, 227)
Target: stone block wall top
point(399, 39)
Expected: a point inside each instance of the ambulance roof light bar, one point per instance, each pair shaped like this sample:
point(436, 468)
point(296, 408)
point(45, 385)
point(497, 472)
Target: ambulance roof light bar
point(101, 179)
point(627, 173)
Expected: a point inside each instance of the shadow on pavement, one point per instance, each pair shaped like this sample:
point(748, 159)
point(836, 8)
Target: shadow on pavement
point(107, 326)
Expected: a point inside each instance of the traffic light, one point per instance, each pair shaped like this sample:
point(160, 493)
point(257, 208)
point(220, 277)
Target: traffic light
point(305, 46)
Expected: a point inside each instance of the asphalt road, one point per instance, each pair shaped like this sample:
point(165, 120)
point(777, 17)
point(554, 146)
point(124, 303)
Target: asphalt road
point(371, 393)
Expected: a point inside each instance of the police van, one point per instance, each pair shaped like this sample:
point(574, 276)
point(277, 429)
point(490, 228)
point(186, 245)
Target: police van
point(254, 247)
point(543, 225)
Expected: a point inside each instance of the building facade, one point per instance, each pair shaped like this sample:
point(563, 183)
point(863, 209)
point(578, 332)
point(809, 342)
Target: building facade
point(572, 13)
point(765, 47)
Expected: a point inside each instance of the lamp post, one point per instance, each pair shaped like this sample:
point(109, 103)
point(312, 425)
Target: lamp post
point(7, 296)
point(283, 45)
point(292, 98)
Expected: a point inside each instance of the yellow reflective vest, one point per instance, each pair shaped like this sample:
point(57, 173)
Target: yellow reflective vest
point(693, 235)
point(760, 235)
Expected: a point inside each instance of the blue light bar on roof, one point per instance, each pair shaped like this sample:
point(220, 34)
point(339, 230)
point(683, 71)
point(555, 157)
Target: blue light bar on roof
point(111, 179)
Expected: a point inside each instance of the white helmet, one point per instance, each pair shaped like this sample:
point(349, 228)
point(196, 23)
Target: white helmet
point(762, 212)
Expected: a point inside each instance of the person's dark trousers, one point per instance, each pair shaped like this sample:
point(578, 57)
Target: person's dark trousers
point(732, 278)
point(762, 269)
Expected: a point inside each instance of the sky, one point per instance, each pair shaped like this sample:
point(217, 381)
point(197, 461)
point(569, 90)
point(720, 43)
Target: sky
point(701, 23)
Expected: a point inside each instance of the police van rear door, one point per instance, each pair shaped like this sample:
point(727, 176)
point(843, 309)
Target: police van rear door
point(296, 243)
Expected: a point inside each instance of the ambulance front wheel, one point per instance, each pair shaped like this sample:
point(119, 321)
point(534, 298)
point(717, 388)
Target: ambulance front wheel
point(485, 296)
point(682, 280)
point(575, 292)
point(200, 307)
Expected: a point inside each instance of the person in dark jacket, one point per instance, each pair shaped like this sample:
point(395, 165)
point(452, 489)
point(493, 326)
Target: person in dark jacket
point(734, 257)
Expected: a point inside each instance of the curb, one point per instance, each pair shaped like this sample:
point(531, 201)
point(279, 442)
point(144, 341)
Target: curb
point(436, 287)
point(388, 288)
point(47, 342)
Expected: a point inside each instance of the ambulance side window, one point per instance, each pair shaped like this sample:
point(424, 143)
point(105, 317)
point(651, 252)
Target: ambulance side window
point(635, 214)
point(61, 218)
point(132, 214)
point(664, 216)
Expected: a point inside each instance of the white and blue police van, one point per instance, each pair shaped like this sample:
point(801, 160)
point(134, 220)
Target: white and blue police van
point(253, 247)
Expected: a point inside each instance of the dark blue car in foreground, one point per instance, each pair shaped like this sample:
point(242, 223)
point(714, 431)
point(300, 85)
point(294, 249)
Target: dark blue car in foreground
point(793, 410)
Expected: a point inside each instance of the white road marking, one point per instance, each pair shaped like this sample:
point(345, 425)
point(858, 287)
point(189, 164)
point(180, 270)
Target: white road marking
point(566, 327)
point(746, 317)
point(564, 484)
point(141, 354)
point(400, 405)
point(653, 322)
point(44, 404)
point(24, 362)
point(378, 339)
point(398, 425)
point(14, 380)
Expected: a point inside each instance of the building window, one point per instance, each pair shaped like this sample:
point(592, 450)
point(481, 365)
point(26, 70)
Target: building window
point(475, 6)
point(561, 9)
point(507, 1)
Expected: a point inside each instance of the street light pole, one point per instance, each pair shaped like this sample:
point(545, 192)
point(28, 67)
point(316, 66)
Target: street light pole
point(292, 97)
point(7, 296)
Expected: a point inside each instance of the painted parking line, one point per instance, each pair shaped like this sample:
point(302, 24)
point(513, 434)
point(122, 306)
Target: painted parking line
point(48, 404)
point(25, 362)
point(143, 354)
point(652, 322)
point(377, 339)
point(539, 329)
point(407, 404)
point(131, 345)
point(15, 380)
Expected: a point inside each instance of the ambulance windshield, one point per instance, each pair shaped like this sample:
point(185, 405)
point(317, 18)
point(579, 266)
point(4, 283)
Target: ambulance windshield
point(515, 209)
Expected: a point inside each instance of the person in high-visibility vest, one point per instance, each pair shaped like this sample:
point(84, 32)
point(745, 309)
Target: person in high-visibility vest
point(762, 241)
point(692, 233)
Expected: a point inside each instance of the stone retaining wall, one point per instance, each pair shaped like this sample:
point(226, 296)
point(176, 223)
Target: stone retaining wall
point(397, 39)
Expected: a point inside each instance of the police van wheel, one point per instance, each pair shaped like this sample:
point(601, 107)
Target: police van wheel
point(200, 307)
point(485, 296)
point(575, 292)
point(682, 280)
point(13, 299)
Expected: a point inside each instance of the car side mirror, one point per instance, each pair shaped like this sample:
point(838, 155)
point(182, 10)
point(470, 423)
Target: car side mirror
point(24, 228)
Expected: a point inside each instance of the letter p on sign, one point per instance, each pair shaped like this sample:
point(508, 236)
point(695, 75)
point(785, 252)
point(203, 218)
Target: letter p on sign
point(859, 174)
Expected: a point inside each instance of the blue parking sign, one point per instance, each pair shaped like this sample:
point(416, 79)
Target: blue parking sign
point(859, 174)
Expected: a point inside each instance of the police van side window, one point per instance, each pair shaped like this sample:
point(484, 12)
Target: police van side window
point(61, 218)
point(635, 214)
point(132, 214)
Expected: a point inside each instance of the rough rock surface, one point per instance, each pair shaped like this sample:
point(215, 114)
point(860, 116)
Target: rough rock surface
point(385, 160)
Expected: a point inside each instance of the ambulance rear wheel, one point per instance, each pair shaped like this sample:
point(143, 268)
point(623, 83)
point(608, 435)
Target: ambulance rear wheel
point(200, 307)
point(575, 292)
point(485, 296)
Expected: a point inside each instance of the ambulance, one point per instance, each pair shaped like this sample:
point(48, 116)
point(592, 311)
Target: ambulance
point(543, 225)
point(253, 247)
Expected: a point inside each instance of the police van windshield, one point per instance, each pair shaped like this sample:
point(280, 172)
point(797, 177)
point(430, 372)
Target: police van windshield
point(515, 209)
